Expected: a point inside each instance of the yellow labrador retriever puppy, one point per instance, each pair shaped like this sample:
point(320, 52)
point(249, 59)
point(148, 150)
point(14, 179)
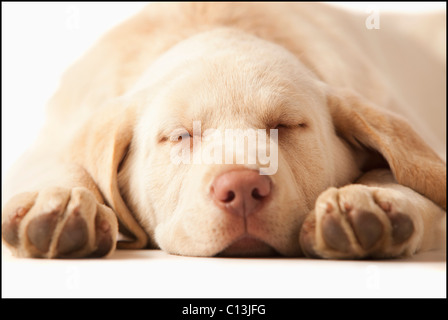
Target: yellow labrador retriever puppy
point(241, 129)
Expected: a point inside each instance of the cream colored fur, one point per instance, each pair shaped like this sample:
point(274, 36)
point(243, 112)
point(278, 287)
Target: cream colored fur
point(362, 95)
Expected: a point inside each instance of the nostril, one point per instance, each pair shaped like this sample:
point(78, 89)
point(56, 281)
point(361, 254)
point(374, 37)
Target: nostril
point(230, 197)
point(256, 194)
point(223, 195)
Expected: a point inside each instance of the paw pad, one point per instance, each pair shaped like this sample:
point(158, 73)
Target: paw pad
point(358, 221)
point(334, 235)
point(104, 238)
point(74, 235)
point(367, 227)
point(10, 227)
point(40, 230)
point(402, 227)
point(59, 223)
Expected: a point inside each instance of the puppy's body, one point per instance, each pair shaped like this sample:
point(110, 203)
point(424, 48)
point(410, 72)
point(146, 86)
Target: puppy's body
point(103, 152)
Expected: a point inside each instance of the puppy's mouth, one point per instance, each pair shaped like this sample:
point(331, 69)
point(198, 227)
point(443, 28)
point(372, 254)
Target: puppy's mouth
point(248, 246)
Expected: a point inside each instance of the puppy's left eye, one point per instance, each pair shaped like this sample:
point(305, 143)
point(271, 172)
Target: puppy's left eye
point(279, 126)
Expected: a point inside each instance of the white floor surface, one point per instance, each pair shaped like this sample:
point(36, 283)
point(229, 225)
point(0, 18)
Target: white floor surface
point(155, 274)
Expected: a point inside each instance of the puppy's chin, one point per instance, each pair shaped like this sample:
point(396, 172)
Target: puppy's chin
point(248, 246)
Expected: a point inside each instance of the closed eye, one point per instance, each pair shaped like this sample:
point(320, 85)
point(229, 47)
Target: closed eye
point(290, 126)
point(175, 135)
point(179, 134)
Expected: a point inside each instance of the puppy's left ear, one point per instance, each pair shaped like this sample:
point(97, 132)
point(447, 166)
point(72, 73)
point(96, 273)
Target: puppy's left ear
point(413, 163)
point(99, 148)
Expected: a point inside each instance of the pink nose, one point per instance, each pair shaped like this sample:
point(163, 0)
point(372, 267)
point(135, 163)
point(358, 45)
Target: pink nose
point(241, 192)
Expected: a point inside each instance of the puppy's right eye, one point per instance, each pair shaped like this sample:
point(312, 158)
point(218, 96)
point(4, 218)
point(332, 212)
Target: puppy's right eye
point(179, 134)
point(289, 126)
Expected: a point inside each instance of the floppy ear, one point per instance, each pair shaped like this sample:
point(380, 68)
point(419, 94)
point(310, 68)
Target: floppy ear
point(413, 163)
point(100, 147)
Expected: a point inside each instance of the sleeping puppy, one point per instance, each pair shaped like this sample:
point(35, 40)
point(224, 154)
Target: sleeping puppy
point(242, 129)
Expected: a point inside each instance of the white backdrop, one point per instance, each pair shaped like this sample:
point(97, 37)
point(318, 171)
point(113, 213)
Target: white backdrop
point(39, 41)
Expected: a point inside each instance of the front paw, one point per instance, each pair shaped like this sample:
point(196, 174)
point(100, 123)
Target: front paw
point(357, 221)
point(58, 223)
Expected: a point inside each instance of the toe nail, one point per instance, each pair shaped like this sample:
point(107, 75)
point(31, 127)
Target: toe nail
point(104, 226)
point(21, 212)
point(348, 207)
point(386, 206)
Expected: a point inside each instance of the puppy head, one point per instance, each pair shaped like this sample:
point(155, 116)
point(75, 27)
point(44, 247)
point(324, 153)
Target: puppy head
point(192, 193)
point(182, 165)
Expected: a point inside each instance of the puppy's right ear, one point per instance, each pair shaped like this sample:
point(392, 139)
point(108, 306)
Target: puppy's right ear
point(367, 126)
point(99, 148)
